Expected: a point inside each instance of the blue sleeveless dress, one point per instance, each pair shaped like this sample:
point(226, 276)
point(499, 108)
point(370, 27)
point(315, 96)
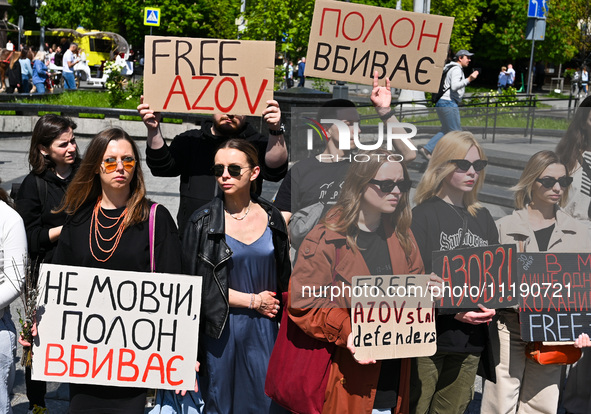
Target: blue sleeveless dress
point(237, 362)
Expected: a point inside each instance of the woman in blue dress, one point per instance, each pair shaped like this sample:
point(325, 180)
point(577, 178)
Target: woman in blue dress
point(238, 243)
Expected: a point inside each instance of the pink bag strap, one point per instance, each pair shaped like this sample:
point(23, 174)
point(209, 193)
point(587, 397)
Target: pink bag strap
point(151, 226)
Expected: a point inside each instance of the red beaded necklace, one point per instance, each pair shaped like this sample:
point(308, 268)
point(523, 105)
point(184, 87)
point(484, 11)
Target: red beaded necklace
point(96, 226)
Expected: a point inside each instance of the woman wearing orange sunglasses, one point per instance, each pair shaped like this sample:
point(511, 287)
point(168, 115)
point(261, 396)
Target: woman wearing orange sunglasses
point(107, 200)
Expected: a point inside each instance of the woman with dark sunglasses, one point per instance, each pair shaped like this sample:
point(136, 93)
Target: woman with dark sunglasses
point(367, 233)
point(537, 225)
point(238, 243)
point(107, 227)
point(447, 217)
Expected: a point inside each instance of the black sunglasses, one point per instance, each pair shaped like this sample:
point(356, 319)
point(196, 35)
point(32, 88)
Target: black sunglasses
point(465, 165)
point(549, 182)
point(387, 186)
point(233, 169)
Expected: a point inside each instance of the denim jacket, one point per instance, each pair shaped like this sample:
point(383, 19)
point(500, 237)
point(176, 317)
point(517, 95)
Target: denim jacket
point(206, 253)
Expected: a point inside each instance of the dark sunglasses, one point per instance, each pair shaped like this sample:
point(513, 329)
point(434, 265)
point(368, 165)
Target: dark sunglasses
point(233, 169)
point(549, 182)
point(465, 165)
point(387, 186)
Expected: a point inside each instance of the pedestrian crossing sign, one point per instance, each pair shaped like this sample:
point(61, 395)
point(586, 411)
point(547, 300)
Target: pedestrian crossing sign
point(152, 16)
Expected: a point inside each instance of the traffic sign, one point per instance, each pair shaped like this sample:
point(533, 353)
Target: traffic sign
point(537, 9)
point(152, 16)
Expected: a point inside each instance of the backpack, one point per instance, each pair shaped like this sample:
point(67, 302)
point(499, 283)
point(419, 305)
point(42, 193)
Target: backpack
point(41, 189)
point(304, 220)
point(437, 96)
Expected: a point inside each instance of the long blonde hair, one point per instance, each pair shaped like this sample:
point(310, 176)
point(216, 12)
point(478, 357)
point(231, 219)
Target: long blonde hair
point(532, 171)
point(344, 217)
point(454, 145)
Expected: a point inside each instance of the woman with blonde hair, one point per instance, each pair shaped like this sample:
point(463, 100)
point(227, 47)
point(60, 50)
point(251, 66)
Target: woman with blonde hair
point(538, 224)
point(39, 72)
point(448, 216)
point(107, 227)
point(367, 232)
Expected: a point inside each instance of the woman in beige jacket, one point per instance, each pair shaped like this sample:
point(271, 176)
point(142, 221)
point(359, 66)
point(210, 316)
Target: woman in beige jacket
point(538, 224)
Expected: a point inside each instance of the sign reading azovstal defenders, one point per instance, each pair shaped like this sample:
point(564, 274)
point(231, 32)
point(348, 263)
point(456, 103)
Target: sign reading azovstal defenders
point(349, 42)
point(208, 75)
point(392, 316)
point(120, 328)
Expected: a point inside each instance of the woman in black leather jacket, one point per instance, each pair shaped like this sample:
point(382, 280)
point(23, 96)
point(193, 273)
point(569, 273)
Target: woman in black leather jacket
point(238, 243)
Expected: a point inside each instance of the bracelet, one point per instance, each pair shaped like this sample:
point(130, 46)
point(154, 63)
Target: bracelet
point(388, 115)
point(251, 301)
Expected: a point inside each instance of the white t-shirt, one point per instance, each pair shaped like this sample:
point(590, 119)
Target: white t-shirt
point(68, 57)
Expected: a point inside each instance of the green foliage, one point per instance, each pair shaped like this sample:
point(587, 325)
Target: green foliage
point(279, 77)
point(320, 84)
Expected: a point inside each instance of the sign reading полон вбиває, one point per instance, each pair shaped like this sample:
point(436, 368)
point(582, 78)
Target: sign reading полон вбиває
point(208, 75)
point(119, 328)
point(348, 42)
point(554, 295)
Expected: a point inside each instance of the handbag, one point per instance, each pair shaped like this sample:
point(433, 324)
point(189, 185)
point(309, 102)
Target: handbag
point(299, 366)
point(552, 354)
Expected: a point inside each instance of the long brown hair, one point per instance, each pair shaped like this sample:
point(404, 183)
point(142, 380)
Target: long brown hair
point(86, 185)
point(14, 58)
point(344, 217)
point(577, 137)
point(47, 129)
point(5, 197)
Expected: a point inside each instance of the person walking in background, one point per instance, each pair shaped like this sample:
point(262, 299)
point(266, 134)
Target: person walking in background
point(502, 80)
point(448, 216)
point(301, 72)
point(584, 81)
point(447, 106)
point(13, 252)
point(69, 61)
point(289, 75)
point(39, 72)
point(510, 76)
point(54, 160)
point(238, 243)
point(26, 70)
point(537, 225)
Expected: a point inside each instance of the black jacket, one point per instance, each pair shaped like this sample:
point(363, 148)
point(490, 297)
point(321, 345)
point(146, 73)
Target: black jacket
point(35, 204)
point(191, 156)
point(205, 253)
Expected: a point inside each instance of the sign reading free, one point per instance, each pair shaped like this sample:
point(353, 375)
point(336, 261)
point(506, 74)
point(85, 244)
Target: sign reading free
point(208, 75)
point(349, 42)
point(109, 327)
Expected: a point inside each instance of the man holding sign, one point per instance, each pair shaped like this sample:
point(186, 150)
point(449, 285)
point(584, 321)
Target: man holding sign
point(209, 76)
point(190, 154)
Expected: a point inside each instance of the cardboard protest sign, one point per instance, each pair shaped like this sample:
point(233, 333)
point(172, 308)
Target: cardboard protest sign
point(184, 74)
point(476, 275)
point(554, 292)
point(349, 41)
point(108, 327)
point(392, 317)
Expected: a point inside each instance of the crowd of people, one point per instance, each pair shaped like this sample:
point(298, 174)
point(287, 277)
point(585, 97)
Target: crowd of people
point(93, 211)
point(31, 71)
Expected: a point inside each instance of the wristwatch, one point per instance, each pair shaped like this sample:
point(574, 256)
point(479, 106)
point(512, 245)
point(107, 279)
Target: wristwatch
point(280, 131)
